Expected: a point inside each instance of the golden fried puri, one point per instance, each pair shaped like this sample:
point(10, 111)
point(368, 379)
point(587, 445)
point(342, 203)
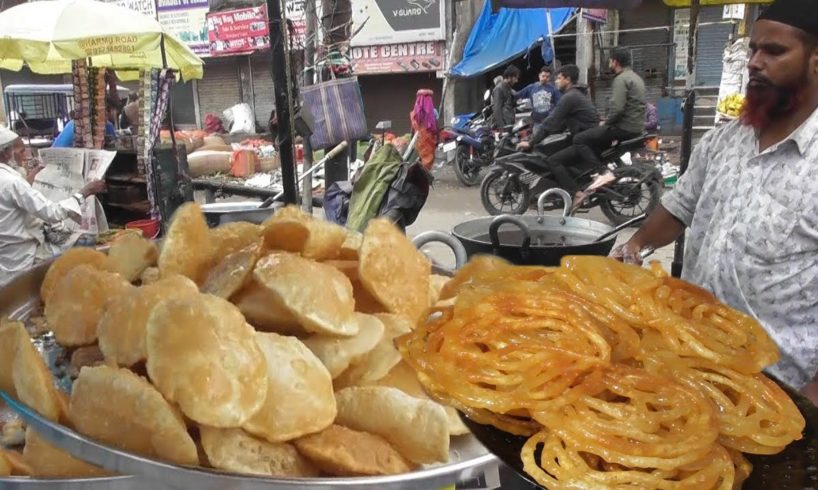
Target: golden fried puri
point(79, 301)
point(48, 461)
point(63, 264)
point(122, 329)
point(203, 356)
point(319, 295)
point(187, 249)
point(300, 399)
point(393, 270)
point(419, 429)
point(117, 407)
point(236, 450)
point(340, 451)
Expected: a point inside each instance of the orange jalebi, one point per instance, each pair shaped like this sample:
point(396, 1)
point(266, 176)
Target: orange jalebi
point(626, 377)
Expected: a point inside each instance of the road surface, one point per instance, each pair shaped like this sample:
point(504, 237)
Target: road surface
point(451, 203)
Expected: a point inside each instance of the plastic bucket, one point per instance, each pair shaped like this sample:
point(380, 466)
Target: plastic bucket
point(149, 227)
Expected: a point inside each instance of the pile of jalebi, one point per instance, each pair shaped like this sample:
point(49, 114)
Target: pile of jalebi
point(626, 378)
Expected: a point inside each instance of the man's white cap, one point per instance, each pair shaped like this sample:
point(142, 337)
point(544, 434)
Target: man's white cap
point(7, 137)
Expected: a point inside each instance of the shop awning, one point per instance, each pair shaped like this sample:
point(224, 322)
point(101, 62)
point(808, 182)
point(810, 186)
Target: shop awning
point(498, 38)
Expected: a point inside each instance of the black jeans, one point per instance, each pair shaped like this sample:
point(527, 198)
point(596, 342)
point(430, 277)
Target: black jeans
point(592, 142)
point(559, 163)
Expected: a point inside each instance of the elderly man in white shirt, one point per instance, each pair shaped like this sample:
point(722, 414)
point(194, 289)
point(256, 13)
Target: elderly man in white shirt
point(23, 209)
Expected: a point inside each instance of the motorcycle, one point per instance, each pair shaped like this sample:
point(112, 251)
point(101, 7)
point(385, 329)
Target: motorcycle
point(621, 191)
point(469, 143)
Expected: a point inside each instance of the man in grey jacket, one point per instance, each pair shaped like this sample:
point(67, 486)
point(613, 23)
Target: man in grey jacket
point(502, 98)
point(626, 113)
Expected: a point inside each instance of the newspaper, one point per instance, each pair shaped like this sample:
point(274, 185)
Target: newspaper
point(65, 172)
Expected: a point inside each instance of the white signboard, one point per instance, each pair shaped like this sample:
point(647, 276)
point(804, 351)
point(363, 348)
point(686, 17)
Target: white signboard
point(146, 7)
point(681, 32)
point(733, 12)
point(296, 13)
point(397, 21)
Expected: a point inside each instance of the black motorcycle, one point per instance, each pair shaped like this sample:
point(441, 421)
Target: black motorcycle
point(621, 191)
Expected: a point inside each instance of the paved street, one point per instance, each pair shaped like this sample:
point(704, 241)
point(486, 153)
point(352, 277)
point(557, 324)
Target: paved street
point(450, 203)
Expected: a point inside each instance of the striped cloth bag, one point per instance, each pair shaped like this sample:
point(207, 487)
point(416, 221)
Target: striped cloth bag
point(338, 110)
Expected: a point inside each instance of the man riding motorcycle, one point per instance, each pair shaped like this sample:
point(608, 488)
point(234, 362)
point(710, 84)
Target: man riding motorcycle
point(575, 112)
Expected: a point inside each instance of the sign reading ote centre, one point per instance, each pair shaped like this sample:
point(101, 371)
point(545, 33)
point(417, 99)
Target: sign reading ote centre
point(398, 58)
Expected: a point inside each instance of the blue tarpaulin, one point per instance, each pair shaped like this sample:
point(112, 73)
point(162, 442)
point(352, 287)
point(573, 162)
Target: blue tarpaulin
point(498, 38)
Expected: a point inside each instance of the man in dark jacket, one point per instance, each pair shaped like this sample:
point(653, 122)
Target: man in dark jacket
point(502, 98)
point(626, 112)
point(574, 112)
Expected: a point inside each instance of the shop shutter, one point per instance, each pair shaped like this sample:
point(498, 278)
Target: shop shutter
point(710, 47)
point(264, 96)
point(219, 87)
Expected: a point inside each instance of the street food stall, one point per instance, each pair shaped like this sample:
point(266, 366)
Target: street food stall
point(296, 353)
point(98, 43)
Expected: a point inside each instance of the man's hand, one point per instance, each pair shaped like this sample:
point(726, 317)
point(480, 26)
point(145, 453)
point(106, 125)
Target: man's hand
point(811, 391)
point(92, 188)
point(523, 146)
point(32, 173)
point(628, 253)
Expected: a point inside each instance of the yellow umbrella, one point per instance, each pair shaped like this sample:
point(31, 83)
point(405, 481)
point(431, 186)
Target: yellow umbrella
point(48, 35)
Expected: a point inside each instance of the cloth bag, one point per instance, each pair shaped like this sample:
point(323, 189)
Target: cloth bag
point(337, 109)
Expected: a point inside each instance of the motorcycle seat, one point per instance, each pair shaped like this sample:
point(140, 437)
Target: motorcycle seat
point(626, 145)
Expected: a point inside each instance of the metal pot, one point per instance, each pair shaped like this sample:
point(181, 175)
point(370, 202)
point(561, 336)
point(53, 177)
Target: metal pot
point(219, 213)
point(534, 240)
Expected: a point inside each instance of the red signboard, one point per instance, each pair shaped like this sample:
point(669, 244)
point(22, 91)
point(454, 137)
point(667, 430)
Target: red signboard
point(241, 31)
point(398, 58)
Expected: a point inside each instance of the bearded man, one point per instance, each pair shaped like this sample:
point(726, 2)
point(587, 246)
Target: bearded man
point(748, 199)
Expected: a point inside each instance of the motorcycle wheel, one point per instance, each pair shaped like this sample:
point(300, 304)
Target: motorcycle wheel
point(638, 199)
point(467, 174)
point(498, 191)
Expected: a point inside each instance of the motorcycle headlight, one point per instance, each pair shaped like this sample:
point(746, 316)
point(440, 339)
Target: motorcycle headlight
point(455, 120)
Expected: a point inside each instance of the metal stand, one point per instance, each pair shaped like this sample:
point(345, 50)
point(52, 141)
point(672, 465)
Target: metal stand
point(281, 88)
point(687, 149)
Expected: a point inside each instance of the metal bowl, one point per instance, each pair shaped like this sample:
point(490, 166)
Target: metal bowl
point(219, 213)
point(20, 299)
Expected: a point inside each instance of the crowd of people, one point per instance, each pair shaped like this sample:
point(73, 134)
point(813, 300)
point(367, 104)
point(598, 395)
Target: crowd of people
point(566, 106)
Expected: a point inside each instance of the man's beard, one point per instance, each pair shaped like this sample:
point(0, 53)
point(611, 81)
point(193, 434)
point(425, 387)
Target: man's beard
point(766, 102)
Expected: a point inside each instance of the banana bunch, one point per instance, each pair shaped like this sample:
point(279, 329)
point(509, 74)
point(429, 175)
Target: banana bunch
point(731, 105)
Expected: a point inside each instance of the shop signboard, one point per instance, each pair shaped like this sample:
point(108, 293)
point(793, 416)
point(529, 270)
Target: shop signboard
point(733, 12)
point(681, 29)
point(596, 15)
point(187, 20)
point(378, 22)
point(235, 32)
point(145, 7)
point(398, 58)
point(296, 12)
